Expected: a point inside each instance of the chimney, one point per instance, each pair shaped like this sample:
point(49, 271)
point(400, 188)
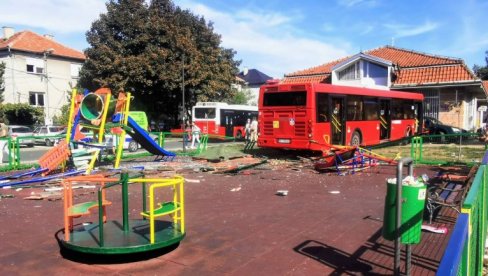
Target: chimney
point(8, 32)
point(49, 36)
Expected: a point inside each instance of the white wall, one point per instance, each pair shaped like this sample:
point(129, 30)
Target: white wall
point(18, 82)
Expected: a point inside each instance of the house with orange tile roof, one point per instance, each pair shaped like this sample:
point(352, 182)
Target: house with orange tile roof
point(452, 92)
point(39, 70)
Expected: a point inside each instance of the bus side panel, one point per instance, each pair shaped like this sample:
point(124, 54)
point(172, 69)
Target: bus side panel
point(399, 128)
point(321, 133)
point(369, 130)
point(208, 127)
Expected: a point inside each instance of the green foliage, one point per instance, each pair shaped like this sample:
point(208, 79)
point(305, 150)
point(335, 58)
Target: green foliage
point(482, 71)
point(145, 46)
point(22, 114)
point(243, 96)
point(63, 118)
point(2, 82)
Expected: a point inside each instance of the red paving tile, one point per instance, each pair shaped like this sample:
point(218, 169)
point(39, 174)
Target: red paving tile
point(251, 231)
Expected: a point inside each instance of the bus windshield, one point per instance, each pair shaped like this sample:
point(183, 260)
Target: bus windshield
point(204, 113)
point(285, 98)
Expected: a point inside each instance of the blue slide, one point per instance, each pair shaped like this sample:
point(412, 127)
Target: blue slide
point(142, 137)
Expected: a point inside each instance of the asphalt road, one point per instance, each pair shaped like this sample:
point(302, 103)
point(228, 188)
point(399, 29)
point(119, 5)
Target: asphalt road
point(31, 155)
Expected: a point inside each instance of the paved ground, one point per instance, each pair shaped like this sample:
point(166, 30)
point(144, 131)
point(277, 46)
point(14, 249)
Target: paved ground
point(236, 225)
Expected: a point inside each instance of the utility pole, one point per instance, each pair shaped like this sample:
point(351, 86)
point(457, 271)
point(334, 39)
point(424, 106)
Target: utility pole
point(47, 119)
point(183, 99)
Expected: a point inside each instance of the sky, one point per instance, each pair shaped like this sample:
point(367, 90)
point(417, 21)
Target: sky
point(278, 37)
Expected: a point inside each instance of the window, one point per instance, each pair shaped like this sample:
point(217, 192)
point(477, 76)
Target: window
point(397, 110)
point(36, 98)
point(352, 72)
point(205, 113)
point(371, 109)
point(322, 108)
point(285, 98)
point(409, 110)
point(34, 65)
point(75, 70)
point(354, 108)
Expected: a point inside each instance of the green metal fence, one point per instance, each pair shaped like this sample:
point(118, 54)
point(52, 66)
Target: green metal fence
point(470, 243)
point(435, 149)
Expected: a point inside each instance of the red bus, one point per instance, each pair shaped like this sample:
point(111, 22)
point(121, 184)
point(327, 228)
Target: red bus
point(313, 115)
point(222, 119)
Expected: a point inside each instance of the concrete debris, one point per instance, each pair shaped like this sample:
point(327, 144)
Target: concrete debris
point(53, 189)
point(34, 197)
point(236, 189)
point(282, 192)
point(6, 196)
point(334, 192)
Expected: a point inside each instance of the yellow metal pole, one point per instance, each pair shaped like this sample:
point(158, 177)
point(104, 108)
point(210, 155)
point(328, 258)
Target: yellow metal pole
point(101, 131)
point(120, 146)
point(71, 119)
point(182, 207)
point(92, 161)
point(151, 213)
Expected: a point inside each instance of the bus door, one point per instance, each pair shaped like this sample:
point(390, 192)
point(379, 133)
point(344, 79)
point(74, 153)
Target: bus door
point(337, 122)
point(227, 120)
point(385, 120)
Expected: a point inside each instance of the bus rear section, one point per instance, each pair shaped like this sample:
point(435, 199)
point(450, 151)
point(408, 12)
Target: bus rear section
point(284, 117)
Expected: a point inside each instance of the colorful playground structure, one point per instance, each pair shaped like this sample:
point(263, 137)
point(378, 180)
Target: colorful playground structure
point(101, 113)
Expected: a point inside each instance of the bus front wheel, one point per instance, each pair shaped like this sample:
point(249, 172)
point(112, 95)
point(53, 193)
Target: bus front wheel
point(356, 139)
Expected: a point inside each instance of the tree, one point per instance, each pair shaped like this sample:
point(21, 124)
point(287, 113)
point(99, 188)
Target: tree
point(244, 96)
point(22, 114)
point(146, 49)
point(482, 72)
point(2, 82)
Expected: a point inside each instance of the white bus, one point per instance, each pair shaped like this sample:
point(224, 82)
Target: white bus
point(222, 119)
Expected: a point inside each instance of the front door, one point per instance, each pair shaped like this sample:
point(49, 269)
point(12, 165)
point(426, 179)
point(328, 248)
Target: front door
point(337, 122)
point(229, 126)
point(385, 122)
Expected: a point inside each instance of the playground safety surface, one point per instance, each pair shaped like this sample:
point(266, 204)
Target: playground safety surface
point(237, 225)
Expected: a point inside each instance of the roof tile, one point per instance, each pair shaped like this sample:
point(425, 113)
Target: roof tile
point(485, 86)
point(431, 75)
point(409, 58)
point(411, 68)
point(32, 42)
point(306, 79)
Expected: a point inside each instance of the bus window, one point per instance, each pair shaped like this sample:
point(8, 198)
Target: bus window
point(396, 110)
point(285, 98)
point(371, 109)
point(354, 108)
point(409, 110)
point(322, 107)
point(204, 113)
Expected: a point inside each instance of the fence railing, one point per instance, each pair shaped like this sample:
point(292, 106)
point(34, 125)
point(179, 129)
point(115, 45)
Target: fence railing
point(465, 250)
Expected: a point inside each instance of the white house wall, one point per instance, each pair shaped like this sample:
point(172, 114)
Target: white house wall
point(18, 82)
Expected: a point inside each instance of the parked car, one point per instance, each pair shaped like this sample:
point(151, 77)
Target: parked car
point(434, 126)
point(21, 131)
point(129, 143)
point(47, 131)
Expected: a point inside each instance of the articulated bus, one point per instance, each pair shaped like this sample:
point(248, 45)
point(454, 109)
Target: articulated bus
point(310, 115)
point(222, 119)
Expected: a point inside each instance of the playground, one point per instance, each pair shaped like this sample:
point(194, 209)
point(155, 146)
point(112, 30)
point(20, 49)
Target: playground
point(236, 224)
point(232, 210)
